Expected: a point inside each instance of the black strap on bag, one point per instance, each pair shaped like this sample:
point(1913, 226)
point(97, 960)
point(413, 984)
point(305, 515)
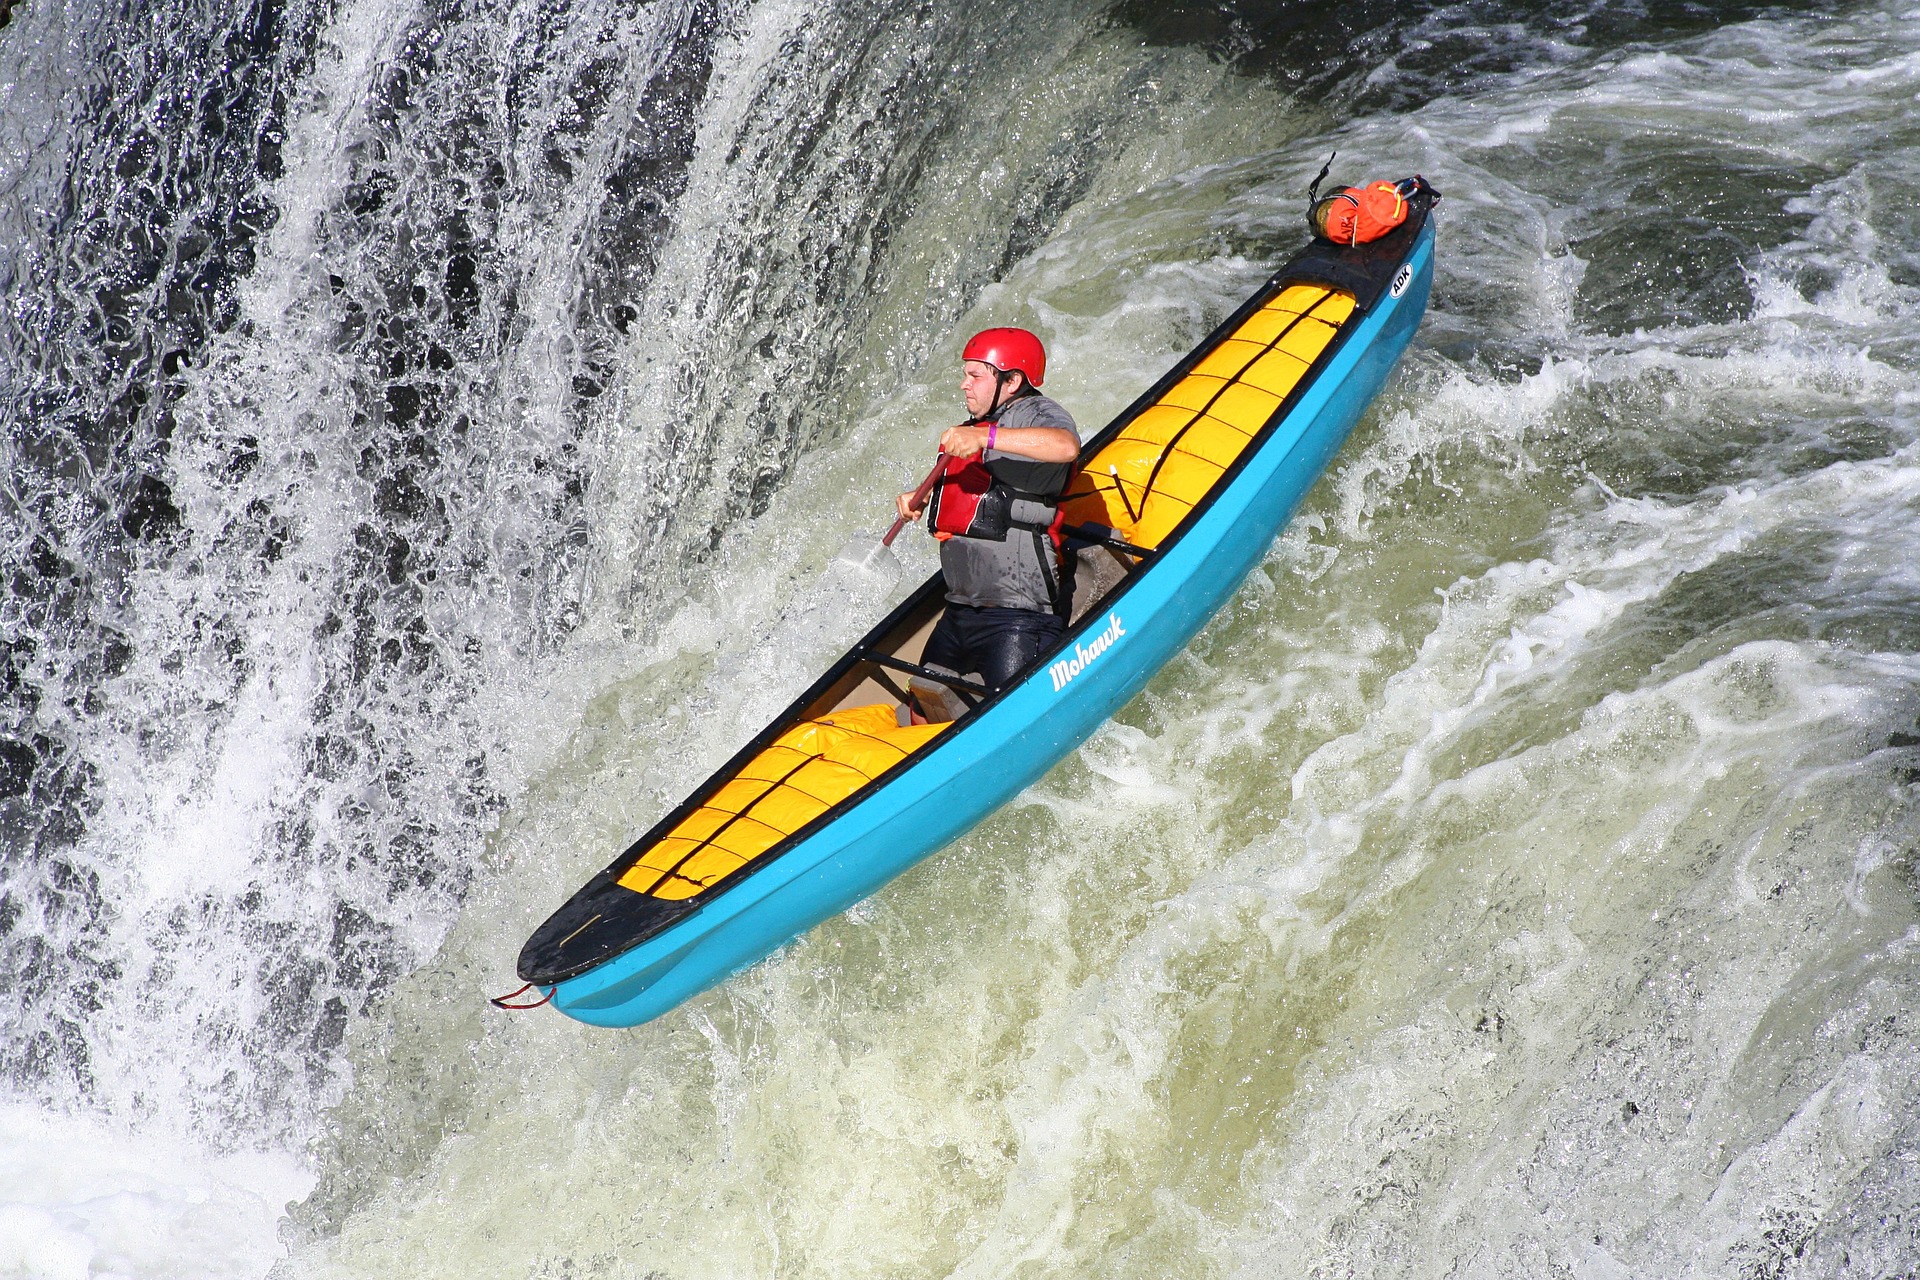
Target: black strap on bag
point(1313, 188)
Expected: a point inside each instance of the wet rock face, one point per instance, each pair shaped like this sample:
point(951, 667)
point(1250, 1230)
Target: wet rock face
point(135, 210)
point(159, 430)
point(1396, 54)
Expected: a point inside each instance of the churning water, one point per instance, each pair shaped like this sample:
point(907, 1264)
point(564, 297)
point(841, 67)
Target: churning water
point(429, 430)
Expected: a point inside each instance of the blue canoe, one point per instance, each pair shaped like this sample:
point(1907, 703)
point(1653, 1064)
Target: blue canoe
point(1174, 503)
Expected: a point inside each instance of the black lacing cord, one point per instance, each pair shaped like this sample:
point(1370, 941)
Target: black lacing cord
point(782, 781)
point(1146, 490)
point(715, 834)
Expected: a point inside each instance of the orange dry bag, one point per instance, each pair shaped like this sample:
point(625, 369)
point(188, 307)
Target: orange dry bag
point(1361, 214)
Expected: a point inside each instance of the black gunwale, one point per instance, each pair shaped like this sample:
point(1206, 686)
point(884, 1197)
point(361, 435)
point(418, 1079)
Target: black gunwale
point(653, 916)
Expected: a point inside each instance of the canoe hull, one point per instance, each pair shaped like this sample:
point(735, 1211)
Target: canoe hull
point(1013, 742)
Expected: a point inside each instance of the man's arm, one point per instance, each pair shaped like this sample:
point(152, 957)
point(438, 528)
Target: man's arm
point(1042, 444)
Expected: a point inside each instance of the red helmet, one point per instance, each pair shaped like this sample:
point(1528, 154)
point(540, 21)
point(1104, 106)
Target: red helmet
point(1006, 349)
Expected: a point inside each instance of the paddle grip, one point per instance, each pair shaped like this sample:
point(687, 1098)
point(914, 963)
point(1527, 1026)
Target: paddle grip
point(919, 497)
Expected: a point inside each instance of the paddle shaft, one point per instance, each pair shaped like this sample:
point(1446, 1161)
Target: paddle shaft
point(919, 498)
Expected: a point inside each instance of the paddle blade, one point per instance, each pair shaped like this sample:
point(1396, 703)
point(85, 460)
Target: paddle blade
point(878, 557)
point(864, 552)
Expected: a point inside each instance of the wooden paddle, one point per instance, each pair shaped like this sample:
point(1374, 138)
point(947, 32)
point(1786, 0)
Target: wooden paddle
point(919, 498)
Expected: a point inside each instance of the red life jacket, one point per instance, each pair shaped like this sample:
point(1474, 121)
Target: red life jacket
point(967, 502)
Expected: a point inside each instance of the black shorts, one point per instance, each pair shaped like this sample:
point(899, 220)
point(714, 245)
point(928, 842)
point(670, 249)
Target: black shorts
point(997, 643)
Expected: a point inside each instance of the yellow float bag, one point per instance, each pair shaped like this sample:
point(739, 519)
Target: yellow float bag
point(808, 769)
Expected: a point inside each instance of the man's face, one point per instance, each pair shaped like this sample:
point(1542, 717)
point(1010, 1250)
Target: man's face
point(978, 382)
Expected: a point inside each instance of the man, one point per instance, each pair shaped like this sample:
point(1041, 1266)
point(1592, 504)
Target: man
point(1007, 466)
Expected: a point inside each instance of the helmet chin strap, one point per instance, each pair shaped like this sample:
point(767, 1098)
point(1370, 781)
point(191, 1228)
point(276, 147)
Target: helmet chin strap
point(1000, 379)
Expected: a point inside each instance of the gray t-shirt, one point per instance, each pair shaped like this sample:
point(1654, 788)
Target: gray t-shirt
point(1009, 574)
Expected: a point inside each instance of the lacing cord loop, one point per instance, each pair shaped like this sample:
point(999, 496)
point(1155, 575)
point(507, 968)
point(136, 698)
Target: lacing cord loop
point(507, 1001)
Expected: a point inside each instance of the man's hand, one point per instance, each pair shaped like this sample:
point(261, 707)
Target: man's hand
point(907, 506)
point(964, 441)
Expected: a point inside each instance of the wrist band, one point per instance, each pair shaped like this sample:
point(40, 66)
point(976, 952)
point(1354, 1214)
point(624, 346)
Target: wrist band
point(993, 429)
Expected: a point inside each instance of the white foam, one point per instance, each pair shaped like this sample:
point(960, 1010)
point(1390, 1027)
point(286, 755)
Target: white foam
point(84, 1200)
